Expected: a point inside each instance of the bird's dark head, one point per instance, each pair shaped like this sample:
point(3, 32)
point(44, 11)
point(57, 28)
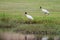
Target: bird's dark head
point(40, 7)
point(25, 12)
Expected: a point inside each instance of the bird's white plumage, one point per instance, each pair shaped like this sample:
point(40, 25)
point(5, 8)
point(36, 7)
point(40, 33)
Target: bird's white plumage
point(46, 11)
point(29, 16)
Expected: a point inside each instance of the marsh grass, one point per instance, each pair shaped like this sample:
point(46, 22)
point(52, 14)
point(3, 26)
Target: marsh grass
point(43, 25)
point(12, 17)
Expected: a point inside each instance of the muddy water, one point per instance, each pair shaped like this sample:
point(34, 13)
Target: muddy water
point(18, 36)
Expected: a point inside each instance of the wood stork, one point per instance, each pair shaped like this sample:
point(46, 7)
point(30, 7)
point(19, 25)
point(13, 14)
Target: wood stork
point(44, 10)
point(28, 16)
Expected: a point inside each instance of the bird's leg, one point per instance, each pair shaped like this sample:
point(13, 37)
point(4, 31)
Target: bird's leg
point(30, 21)
point(45, 13)
point(48, 13)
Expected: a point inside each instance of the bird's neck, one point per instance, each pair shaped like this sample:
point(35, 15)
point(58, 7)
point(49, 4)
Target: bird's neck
point(25, 14)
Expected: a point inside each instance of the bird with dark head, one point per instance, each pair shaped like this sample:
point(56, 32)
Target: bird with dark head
point(44, 10)
point(29, 17)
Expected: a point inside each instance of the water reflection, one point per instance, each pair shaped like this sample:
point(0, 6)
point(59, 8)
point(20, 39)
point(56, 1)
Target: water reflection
point(17, 36)
point(44, 38)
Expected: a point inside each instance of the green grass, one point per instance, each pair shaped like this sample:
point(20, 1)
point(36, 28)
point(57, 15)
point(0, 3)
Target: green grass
point(12, 14)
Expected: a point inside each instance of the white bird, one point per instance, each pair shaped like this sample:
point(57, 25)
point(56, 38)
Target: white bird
point(28, 16)
point(44, 10)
